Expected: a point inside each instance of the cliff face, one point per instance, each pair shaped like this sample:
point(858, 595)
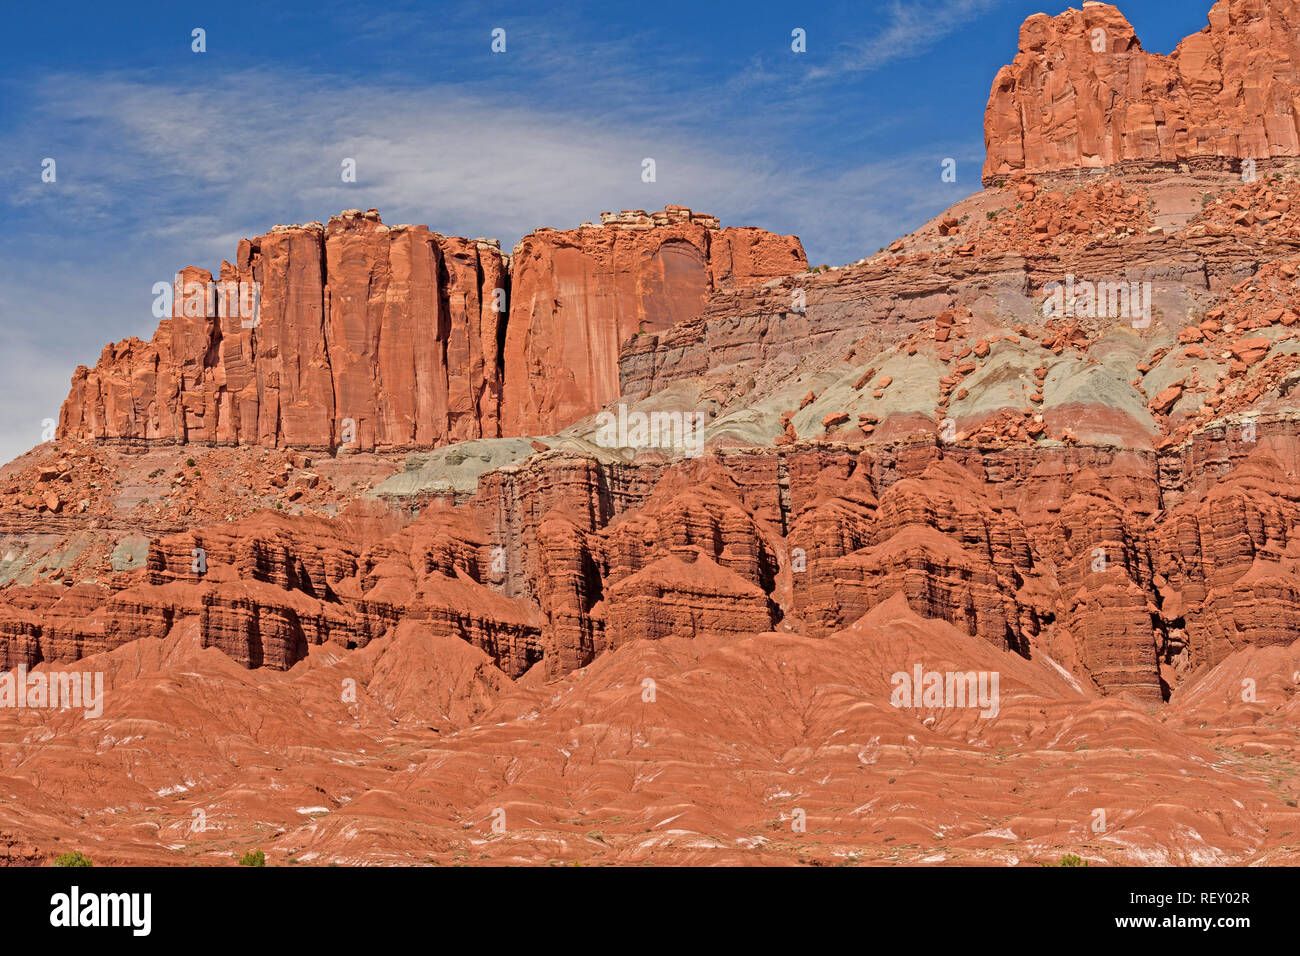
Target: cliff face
point(371, 336)
point(1113, 492)
point(364, 336)
point(1081, 92)
point(912, 464)
point(579, 295)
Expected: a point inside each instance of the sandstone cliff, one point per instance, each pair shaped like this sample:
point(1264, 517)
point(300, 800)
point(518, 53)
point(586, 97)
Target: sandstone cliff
point(394, 337)
point(579, 295)
point(1081, 92)
point(364, 335)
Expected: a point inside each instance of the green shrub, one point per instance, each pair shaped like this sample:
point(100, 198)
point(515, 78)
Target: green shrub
point(75, 858)
point(253, 858)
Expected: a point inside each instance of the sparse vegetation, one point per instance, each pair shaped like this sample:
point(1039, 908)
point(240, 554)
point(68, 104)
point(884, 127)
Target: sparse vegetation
point(75, 858)
point(253, 858)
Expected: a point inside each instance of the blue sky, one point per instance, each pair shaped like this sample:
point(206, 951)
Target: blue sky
point(166, 157)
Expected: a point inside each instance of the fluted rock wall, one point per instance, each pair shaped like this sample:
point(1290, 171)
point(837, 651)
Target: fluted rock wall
point(1130, 569)
point(365, 336)
point(579, 295)
point(1081, 92)
point(394, 337)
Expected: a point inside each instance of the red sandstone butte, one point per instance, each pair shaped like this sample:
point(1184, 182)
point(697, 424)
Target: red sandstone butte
point(579, 294)
point(367, 336)
point(1225, 94)
point(373, 336)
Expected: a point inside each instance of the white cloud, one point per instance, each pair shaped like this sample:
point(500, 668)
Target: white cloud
point(910, 27)
point(262, 149)
point(456, 161)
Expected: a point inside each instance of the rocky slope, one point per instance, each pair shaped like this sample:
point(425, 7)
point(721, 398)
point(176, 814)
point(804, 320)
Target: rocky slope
point(527, 641)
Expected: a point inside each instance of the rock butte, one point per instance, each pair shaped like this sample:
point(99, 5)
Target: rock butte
point(1083, 94)
point(908, 463)
point(373, 336)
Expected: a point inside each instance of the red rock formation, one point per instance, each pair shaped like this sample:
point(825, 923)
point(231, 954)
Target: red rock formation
point(411, 331)
point(564, 558)
point(1082, 93)
point(578, 295)
point(365, 336)
point(692, 752)
point(684, 595)
point(1111, 526)
point(372, 336)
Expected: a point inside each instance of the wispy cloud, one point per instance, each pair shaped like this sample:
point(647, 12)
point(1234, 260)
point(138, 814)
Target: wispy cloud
point(263, 148)
point(910, 27)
